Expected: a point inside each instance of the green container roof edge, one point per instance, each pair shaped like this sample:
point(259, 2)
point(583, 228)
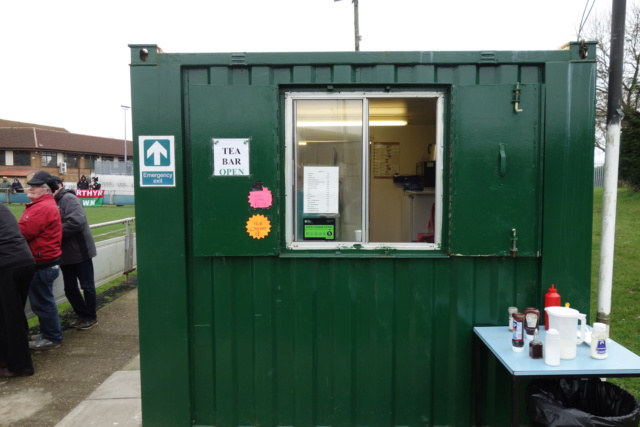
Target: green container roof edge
point(151, 54)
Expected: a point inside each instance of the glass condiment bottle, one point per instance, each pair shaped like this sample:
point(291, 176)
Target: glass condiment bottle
point(517, 341)
point(535, 346)
point(511, 310)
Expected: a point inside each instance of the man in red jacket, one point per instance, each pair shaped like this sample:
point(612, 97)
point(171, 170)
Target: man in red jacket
point(40, 224)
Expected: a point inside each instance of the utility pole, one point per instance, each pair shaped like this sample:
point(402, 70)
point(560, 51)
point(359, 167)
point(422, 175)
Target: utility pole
point(356, 23)
point(610, 193)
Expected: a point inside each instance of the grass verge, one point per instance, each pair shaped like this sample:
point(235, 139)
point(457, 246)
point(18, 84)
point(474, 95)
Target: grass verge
point(625, 295)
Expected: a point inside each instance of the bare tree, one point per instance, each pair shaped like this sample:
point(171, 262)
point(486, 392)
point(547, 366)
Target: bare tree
point(599, 29)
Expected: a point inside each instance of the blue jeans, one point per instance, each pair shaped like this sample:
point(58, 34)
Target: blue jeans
point(83, 304)
point(43, 303)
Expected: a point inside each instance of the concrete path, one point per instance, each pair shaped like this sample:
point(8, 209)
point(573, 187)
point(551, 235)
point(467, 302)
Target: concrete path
point(115, 403)
point(92, 380)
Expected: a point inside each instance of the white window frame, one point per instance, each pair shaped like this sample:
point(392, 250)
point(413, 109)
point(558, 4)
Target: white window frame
point(290, 166)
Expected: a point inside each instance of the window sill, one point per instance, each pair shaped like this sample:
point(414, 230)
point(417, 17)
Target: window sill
point(363, 253)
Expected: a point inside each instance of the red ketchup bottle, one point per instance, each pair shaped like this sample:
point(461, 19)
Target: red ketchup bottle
point(551, 299)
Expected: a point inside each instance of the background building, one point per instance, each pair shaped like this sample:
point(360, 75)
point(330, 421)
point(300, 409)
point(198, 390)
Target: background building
point(26, 148)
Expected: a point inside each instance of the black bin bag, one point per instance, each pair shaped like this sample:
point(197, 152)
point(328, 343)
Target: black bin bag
point(579, 402)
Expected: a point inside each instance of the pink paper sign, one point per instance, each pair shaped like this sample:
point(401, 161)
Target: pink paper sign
point(260, 199)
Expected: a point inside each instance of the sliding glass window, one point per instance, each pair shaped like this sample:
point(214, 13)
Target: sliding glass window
point(362, 170)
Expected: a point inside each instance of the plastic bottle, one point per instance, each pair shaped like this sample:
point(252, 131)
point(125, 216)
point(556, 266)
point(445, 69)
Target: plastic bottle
point(531, 321)
point(599, 337)
point(517, 342)
point(551, 299)
point(512, 311)
point(535, 346)
point(552, 348)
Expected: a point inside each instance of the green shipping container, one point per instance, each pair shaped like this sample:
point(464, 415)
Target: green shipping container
point(318, 233)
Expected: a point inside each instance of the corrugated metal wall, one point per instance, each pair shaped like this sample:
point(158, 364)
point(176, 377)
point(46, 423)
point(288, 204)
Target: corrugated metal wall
point(317, 341)
point(380, 341)
point(383, 342)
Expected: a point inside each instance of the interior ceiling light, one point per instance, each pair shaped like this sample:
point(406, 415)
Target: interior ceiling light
point(332, 141)
point(387, 123)
point(316, 124)
point(352, 123)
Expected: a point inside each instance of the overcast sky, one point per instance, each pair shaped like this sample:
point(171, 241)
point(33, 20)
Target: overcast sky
point(65, 62)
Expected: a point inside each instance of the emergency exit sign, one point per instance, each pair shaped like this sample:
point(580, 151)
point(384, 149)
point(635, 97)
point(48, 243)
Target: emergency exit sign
point(230, 156)
point(157, 161)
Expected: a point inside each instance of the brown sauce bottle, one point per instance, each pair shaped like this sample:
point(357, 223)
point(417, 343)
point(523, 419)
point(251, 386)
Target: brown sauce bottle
point(535, 346)
point(531, 321)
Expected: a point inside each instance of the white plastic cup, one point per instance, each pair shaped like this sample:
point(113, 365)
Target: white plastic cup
point(358, 235)
point(552, 348)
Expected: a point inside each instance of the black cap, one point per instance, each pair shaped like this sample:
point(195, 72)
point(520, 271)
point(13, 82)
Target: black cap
point(40, 178)
point(54, 183)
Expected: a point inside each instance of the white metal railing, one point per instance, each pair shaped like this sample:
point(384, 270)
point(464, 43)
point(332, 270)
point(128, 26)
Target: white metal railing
point(117, 221)
point(116, 257)
point(128, 242)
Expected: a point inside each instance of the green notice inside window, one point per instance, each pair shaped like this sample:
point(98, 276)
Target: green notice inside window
point(319, 229)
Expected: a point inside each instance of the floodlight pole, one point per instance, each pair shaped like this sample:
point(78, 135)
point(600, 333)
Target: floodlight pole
point(125, 108)
point(610, 193)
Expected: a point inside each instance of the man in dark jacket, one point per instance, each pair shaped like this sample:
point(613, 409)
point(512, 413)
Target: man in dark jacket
point(16, 187)
point(78, 248)
point(96, 184)
point(40, 224)
point(16, 271)
point(83, 184)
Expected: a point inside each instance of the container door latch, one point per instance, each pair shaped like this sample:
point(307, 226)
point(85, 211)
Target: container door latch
point(516, 99)
point(514, 246)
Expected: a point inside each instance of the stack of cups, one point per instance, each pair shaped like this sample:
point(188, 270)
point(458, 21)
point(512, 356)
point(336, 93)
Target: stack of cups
point(552, 348)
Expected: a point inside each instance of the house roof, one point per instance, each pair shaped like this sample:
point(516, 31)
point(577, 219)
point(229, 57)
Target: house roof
point(12, 124)
point(15, 173)
point(47, 138)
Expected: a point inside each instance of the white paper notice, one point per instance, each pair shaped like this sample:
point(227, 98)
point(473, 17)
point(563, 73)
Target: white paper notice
point(321, 186)
point(231, 156)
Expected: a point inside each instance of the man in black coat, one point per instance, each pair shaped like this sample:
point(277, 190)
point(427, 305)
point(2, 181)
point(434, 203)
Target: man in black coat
point(16, 270)
point(96, 184)
point(83, 184)
point(78, 249)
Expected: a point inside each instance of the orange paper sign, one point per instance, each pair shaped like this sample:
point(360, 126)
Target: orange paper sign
point(258, 226)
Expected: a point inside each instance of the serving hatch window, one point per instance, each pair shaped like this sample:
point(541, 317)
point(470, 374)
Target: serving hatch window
point(363, 170)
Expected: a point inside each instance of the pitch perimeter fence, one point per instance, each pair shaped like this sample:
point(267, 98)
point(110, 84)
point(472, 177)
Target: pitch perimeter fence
point(116, 258)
